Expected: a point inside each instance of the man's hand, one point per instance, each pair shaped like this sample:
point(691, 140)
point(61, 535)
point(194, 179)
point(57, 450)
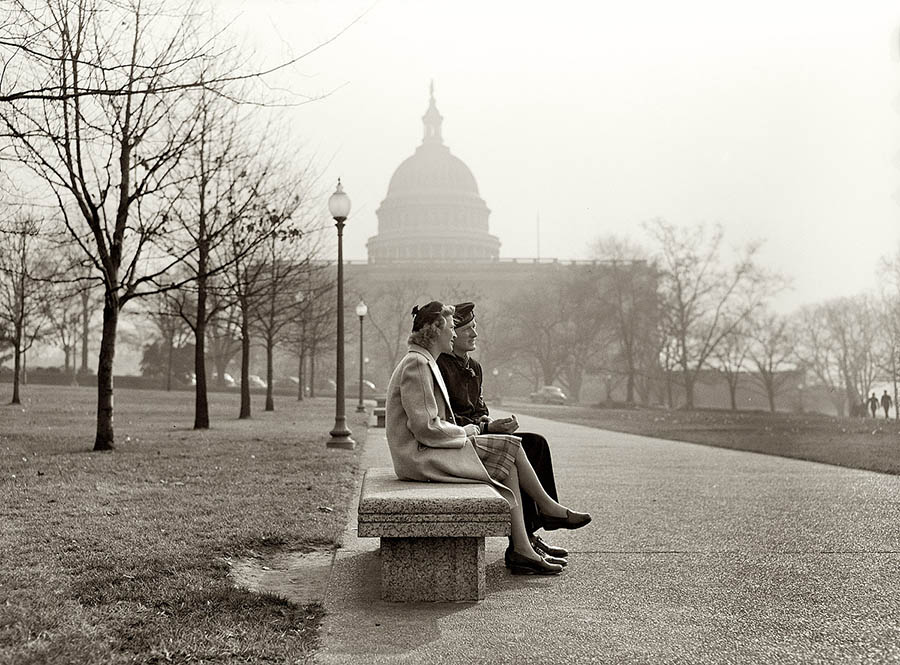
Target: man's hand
point(503, 425)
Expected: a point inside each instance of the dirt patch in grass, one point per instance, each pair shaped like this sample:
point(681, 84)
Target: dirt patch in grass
point(121, 556)
point(860, 443)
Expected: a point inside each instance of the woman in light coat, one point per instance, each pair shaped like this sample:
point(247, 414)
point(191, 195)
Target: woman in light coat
point(427, 445)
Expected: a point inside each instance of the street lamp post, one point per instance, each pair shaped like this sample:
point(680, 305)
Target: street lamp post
point(361, 311)
point(339, 207)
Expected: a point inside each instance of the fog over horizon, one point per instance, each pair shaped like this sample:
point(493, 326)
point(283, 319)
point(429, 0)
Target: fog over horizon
point(778, 121)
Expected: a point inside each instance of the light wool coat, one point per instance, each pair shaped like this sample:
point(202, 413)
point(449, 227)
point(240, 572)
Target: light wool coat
point(424, 441)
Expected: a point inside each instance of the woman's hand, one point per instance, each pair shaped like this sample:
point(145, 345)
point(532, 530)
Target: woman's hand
point(471, 430)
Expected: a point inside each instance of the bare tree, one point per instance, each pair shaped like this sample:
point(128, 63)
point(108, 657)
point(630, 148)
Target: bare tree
point(23, 276)
point(772, 353)
point(63, 313)
point(246, 277)
point(589, 338)
point(536, 328)
point(286, 261)
point(222, 329)
point(731, 356)
point(312, 321)
point(630, 298)
point(837, 344)
point(166, 313)
point(702, 299)
point(815, 350)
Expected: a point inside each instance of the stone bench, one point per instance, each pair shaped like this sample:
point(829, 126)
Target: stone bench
point(432, 535)
point(378, 412)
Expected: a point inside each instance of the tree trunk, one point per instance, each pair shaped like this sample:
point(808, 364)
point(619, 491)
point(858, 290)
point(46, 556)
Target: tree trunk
point(85, 329)
point(312, 371)
point(894, 377)
point(19, 331)
point(245, 361)
point(547, 374)
point(300, 376)
point(575, 376)
point(688, 390)
point(201, 401)
point(270, 371)
point(670, 398)
point(732, 393)
point(17, 366)
point(171, 347)
point(770, 393)
point(221, 364)
point(105, 439)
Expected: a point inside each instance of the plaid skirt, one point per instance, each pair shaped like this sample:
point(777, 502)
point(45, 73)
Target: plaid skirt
point(497, 452)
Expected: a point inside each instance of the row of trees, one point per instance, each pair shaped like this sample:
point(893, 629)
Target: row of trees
point(654, 321)
point(141, 127)
point(640, 317)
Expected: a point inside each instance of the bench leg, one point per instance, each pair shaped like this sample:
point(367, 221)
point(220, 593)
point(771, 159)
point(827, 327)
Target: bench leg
point(437, 569)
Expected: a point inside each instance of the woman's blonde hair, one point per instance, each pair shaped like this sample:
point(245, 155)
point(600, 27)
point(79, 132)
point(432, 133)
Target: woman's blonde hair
point(428, 323)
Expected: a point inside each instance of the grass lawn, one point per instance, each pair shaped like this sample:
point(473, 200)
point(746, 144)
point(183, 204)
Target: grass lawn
point(860, 443)
point(118, 557)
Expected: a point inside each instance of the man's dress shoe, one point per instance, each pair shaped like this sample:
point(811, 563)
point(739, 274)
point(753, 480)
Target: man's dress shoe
point(572, 520)
point(541, 546)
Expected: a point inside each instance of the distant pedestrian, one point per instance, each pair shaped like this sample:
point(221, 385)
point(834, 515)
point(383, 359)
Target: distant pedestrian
point(886, 403)
point(873, 404)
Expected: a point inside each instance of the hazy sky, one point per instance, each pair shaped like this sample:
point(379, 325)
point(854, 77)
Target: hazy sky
point(779, 120)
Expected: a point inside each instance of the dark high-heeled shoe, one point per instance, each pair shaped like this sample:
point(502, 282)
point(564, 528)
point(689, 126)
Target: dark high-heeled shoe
point(559, 561)
point(522, 565)
point(572, 520)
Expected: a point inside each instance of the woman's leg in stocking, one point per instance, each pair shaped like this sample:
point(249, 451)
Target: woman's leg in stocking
point(529, 482)
point(520, 540)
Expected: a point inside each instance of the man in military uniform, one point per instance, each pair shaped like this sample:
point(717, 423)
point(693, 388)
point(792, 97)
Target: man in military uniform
point(464, 378)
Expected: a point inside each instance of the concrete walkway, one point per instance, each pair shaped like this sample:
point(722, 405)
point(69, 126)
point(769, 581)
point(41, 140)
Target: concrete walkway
point(695, 555)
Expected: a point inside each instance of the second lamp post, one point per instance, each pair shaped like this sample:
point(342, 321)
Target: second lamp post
point(361, 311)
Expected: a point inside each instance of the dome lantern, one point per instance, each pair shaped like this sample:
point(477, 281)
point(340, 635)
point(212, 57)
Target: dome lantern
point(432, 120)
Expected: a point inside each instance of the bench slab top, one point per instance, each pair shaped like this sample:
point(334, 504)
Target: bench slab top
point(384, 494)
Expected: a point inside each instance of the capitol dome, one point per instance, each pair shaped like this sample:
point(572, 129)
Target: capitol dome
point(432, 209)
point(432, 167)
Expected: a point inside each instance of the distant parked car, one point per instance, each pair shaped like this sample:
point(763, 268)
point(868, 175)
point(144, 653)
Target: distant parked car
point(549, 395)
point(325, 388)
point(227, 380)
point(369, 389)
point(256, 381)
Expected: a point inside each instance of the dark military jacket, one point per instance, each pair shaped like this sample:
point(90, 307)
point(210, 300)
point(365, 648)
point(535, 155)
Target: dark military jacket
point(464, 378)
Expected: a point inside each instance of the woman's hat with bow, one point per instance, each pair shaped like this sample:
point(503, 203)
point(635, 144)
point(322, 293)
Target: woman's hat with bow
point(426, 314)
